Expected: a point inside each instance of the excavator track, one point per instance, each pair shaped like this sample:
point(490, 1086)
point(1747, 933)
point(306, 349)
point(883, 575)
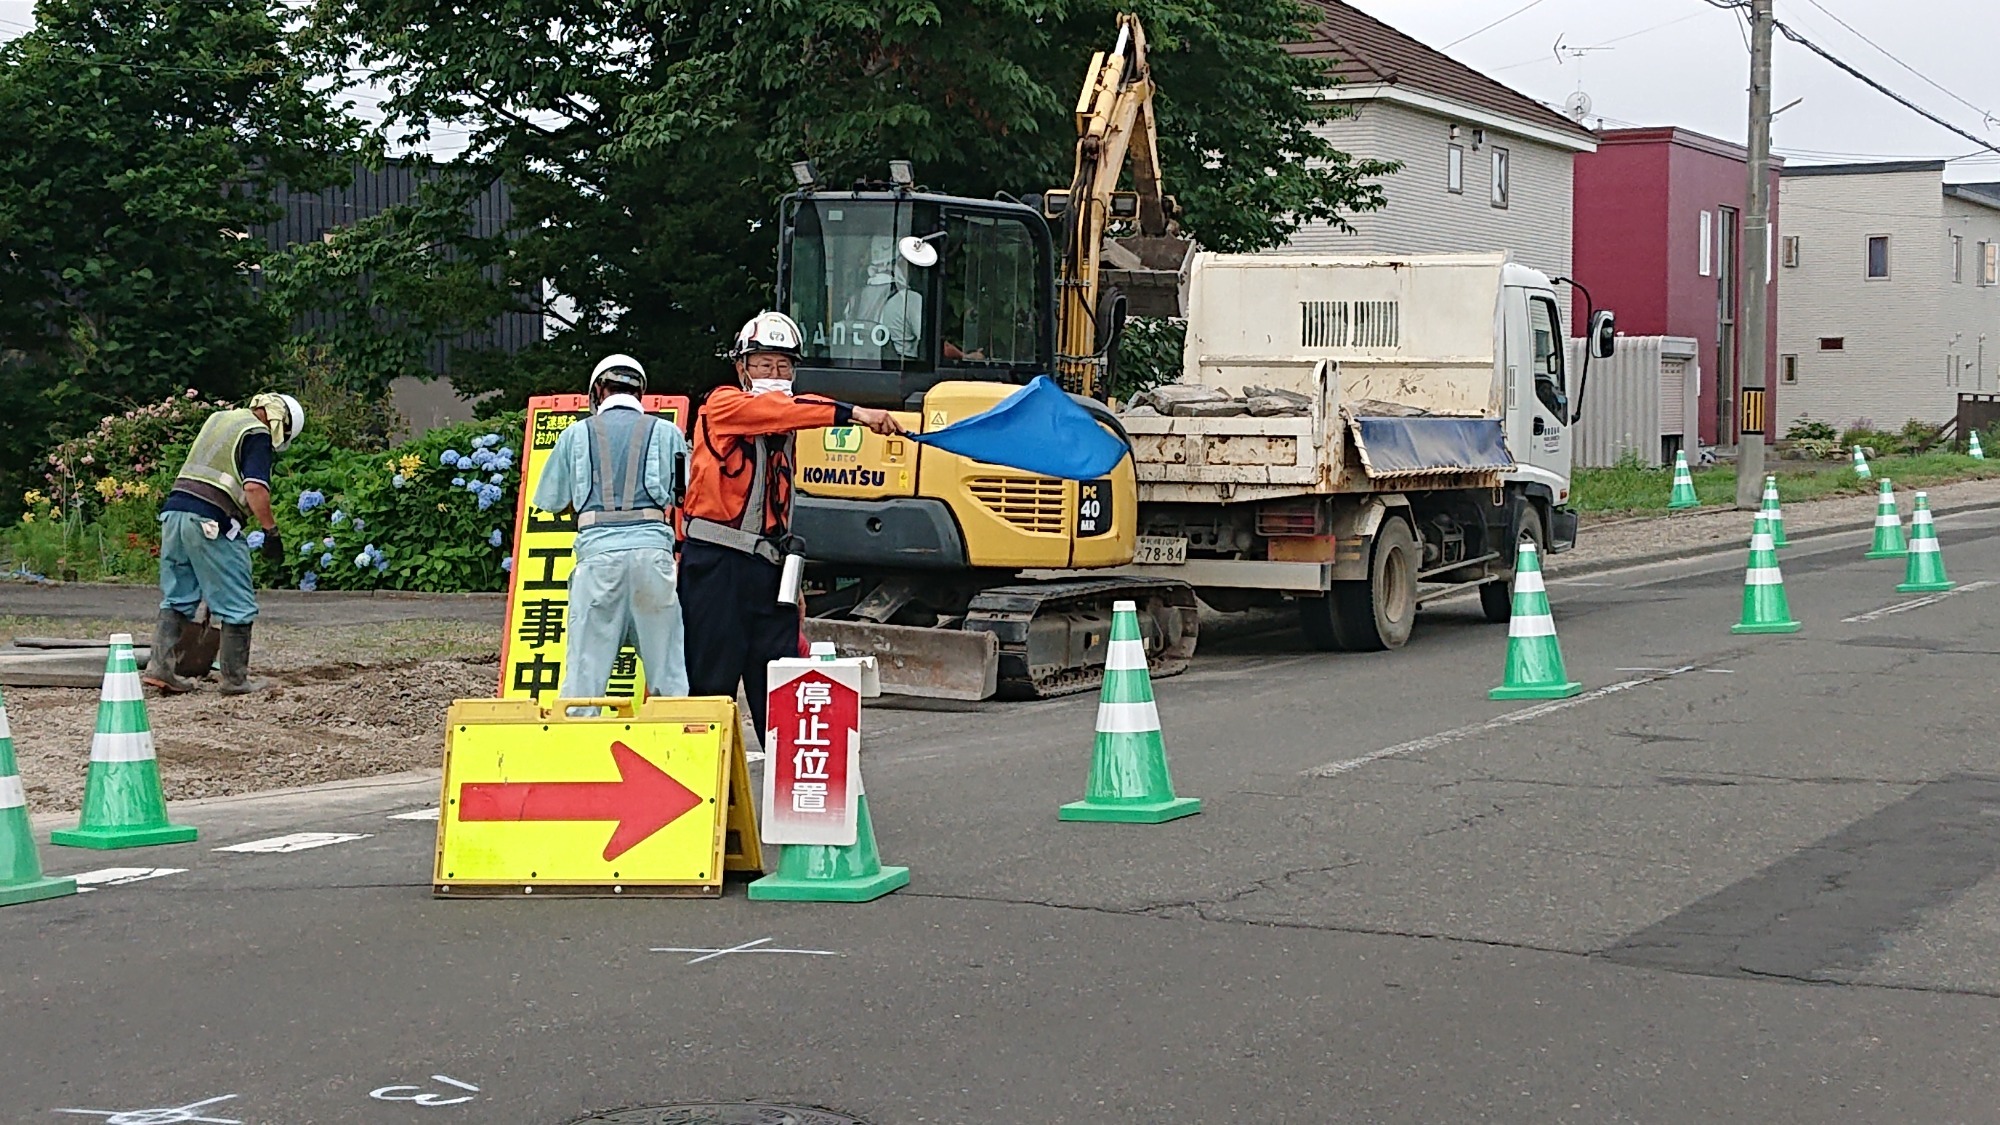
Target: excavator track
point(1053, 636)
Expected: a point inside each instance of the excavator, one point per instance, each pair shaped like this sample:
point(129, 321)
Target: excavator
point(938, 307)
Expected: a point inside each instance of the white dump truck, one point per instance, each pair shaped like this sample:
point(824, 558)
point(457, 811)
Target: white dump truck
point(1360, 435)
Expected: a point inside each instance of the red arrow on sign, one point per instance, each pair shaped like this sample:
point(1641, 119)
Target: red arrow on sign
point(643, 800)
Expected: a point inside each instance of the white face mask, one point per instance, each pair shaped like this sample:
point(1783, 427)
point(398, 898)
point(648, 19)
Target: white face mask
point(766, 386)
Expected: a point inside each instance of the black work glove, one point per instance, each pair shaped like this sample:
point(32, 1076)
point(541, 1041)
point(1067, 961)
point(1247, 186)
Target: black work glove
point(274, 547)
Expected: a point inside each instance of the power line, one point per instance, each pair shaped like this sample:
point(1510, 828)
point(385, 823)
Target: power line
point(1879, 88)
point(1984, 115)
point(1490, 26)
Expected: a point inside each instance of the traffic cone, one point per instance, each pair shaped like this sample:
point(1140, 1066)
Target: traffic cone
point(1765, 609)
point(1889, 541)
point(1772, 513)
point(123, 805)
point(1534, 659)
point(1972, 447)
point(833, 872)
point(1925, 573)
point(1683, 494)
point(21, 877)
point(1128, 766)
point(1861, 468)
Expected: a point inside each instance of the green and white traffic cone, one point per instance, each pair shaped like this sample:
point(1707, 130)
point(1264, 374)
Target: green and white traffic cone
point(1772, 513)
point(1765, 608)
point(1972, 447)
point(833, 872)
point(1889, 541)
point(1128, 783)
point(21, 878)
point(123, 804)
point(1534, 658)
point(1683, 495)
point(1925, 572)
point(1861, 468)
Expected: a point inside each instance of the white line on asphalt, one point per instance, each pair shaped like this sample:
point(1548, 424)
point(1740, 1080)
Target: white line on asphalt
point(119, 876)
point(420, 814)
point(1444, 738)
point(296, 842)
point(1575, 582)
point(1915, 603)
point(746, 947)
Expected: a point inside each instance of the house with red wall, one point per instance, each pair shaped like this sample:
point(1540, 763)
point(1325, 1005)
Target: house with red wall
point(1659, 238)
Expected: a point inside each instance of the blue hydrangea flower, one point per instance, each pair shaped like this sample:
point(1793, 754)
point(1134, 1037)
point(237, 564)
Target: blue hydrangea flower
point(360, 524)
point(255, 539)
point(458, 482)
point(399, 480)
point(339, 517)
point(306, 548)
point(464, 463)
point(493, 538)
point(326, 559)
point(482, 459)
point(364, 560)
point(448, 458)
point(507, 564)
point(310, 582)
point(489, 440)
point(507, 451)
point(327, 542)
point(381, 564)
point(310, 499)
point(498, 478)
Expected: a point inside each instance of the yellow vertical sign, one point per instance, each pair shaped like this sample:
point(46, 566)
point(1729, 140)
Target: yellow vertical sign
point(531, 651)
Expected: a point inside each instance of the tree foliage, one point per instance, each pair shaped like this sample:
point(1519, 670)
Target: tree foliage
point(141, 141)
point(646, 144)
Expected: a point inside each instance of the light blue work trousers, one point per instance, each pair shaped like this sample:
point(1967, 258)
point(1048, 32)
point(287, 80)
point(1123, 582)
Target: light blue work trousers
point(195, 568)
point(618, 598)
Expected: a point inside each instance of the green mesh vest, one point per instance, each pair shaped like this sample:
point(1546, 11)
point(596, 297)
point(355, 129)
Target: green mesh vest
point(211, 461)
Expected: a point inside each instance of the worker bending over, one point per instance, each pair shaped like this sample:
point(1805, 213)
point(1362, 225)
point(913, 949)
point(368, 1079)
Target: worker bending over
point(615, 470)
point(739, 512)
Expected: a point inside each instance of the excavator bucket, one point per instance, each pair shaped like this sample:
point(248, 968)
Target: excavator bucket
point(1152, 273)
point(935, 663)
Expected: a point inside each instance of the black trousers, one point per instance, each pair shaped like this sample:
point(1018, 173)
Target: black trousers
point(735, 626)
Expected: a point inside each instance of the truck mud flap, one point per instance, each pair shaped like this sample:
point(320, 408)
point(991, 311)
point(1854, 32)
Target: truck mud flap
point(934, 663)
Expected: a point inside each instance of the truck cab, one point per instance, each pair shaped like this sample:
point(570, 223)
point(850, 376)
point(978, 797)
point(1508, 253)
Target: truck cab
point(1540, 395)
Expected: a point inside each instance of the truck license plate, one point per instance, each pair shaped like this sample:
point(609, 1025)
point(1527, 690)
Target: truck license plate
point(1161, 550)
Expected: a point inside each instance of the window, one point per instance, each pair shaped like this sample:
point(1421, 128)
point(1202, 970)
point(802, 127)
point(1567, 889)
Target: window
point(1833, 343)
point(1791, 255)
point(1454, 169)
point(1989, 263)
point(1878, 256)
point(1788, 369)
point(991, 287)
point(1707, 242)
point(1502, 184)
point(1546, 326)
point(1957, 258)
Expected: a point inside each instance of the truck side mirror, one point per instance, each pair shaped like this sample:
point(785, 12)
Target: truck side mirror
point(1603, 333)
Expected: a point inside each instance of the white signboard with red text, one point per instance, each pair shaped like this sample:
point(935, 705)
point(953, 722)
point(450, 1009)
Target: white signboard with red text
point(812, 764)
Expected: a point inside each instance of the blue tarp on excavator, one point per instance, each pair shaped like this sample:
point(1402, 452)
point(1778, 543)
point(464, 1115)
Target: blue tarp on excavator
point(1392, 447)
point(1037, 429)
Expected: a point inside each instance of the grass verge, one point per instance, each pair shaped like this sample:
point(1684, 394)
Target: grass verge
point(1637, 491)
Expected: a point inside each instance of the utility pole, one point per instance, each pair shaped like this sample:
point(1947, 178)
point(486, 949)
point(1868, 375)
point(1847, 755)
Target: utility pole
point(1752, 417)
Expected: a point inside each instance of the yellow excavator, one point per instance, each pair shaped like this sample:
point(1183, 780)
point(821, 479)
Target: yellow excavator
point(938, 307)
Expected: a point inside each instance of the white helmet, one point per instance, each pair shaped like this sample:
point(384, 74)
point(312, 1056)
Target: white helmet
point(285, 417)
point(768, 332)
point(619, 370)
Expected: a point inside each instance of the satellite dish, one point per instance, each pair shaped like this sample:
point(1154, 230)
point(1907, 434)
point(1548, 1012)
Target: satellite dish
point(918, 251)
point(1577, 106)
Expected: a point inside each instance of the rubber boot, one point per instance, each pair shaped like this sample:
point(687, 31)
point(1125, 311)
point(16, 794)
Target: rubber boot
point(160, 663)
point(236, 662)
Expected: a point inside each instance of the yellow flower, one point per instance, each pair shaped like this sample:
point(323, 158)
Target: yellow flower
point(410, 464)
point(27, 517)
point(106, 486)
point(139, 488)
point(32, 498)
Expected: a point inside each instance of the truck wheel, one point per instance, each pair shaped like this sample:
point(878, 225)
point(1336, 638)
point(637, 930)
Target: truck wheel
point(1379, 613)
point(1496, 598)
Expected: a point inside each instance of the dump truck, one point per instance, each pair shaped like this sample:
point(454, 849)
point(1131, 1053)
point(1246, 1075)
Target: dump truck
point(1357, 436)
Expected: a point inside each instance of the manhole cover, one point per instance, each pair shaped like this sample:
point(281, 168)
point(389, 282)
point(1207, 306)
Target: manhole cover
point(721, 1113)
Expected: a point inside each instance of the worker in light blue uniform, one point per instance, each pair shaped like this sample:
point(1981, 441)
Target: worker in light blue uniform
point(616, 471)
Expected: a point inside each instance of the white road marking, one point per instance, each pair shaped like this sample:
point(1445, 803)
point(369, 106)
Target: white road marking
point(420, 814)
point(758, 946)
point(395, 1094)
point(170, 1115)
point(1576, 582)
point(1915, 603)
point(296, 842)
point(120, 876)
point(1445, 738)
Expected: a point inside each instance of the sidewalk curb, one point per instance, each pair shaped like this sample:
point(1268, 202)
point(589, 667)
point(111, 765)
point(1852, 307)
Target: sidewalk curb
point(1556, 570)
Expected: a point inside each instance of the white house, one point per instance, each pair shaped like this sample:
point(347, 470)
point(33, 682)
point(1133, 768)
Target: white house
point(1485, 167)
point(1888, 295)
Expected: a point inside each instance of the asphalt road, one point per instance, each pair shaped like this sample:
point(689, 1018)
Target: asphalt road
point(1741, 879)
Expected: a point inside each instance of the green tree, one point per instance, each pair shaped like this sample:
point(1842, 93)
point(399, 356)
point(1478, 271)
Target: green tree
point(141, 144)
point(645, 144)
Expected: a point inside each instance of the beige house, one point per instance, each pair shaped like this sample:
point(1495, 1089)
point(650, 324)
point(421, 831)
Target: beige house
point(1888, 294)
point(1485, 167)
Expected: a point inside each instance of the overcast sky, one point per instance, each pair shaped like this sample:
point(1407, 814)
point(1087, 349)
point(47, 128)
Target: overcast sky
point(1685, 62)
